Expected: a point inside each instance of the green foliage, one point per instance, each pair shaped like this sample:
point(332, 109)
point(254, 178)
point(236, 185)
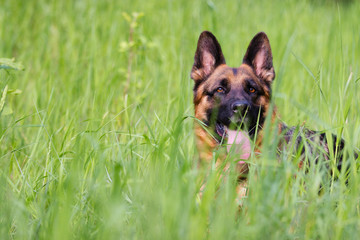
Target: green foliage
point(100, 145)
point(135, 48)
point(6, 63)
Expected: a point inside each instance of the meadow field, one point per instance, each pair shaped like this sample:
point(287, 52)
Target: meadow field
point(96, 128)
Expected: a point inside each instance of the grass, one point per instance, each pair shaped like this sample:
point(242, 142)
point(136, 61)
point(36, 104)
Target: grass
point(79, 159)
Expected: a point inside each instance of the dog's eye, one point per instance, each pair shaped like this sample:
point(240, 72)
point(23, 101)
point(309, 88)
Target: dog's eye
point(220, 90)
point(252, 90)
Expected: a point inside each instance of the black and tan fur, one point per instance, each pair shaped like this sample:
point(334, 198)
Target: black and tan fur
point(240, 98)
point(210, 73)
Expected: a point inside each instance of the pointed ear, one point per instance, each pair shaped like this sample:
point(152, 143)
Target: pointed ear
point(208, 56)
point(259, 57)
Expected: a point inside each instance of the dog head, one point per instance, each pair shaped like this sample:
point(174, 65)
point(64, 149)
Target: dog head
point(232, 98)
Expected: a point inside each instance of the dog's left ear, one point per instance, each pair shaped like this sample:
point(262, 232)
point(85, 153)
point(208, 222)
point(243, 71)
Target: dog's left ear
point(208, 56)
point(259, 57)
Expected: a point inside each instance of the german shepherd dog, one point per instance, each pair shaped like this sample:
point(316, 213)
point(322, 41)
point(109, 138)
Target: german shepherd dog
point(231, 104)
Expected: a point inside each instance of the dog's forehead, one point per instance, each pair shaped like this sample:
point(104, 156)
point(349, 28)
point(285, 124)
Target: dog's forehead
point(234, 75)
point(247, 72)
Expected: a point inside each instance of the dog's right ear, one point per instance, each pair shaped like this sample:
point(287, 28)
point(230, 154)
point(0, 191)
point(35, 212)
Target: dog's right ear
point(208, 56)
point(259, 57)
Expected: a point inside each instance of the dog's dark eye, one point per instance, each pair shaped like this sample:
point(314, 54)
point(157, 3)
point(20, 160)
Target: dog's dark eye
point(220, 90)
point(252, 90)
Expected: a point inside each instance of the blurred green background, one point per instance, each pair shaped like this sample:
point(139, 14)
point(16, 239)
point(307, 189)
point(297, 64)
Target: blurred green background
point(96, 136)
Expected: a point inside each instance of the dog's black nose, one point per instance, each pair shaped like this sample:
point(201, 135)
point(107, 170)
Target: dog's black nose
point(239, 106)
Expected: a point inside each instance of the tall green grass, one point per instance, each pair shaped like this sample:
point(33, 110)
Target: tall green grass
point(79, 159)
